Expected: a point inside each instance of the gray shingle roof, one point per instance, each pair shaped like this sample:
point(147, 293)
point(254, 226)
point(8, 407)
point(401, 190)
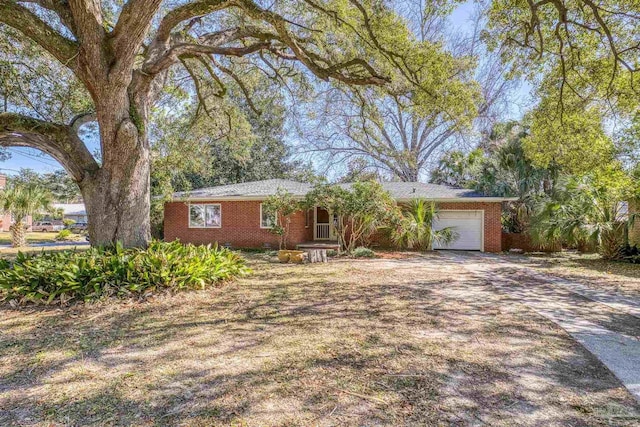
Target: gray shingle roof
point(413, 190)
point(253, 189)
point(263, 189)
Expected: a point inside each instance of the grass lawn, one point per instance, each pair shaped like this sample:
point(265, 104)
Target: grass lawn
point(409, 340)
point(590, 269)
point(10, 253)
point(39, 237)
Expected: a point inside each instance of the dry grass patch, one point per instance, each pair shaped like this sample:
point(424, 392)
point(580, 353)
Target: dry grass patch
point(412, 341)
point(589, 269)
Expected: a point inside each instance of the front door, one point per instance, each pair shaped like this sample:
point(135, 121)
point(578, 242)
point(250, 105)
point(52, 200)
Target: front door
point(321, 224)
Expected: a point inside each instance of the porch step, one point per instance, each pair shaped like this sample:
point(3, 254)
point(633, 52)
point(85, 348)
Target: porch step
point(319, 245)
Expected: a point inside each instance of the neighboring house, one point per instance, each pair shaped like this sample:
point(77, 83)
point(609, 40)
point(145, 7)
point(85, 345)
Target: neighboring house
point(232, 215)
point(73, 211)
point(5, 217)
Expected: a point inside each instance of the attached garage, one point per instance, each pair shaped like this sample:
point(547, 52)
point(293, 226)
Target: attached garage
point(469, 224)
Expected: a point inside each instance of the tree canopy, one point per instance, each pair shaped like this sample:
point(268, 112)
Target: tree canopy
point(398, 130)
point(122, 64)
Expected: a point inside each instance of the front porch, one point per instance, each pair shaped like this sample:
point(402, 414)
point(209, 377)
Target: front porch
point(324, 226)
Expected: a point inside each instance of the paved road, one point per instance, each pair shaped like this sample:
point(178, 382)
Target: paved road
point(606, 324)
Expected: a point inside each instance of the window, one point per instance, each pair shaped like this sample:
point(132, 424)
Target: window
point(267, 219)
point(205, 216)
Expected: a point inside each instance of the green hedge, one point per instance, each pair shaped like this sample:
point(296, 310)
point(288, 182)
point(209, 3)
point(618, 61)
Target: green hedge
point(362, 252)
point(75, 275)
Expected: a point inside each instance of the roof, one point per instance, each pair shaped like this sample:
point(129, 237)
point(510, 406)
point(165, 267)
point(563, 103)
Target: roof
point(400, 191)
point(71, 208)
point(419, 190)
point(246, 190)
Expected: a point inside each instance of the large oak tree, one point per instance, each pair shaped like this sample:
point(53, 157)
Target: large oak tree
point(120, 55)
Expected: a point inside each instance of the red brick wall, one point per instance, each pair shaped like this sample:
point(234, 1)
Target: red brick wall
point(492, 224)
point(240, 226)
point(523, 241)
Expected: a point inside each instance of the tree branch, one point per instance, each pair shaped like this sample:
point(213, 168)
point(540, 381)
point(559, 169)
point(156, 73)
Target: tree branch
point(29, 24)
point(185, 12)
point(130, 30)
point(59, 141)
point(87, 15)
point(334, 71)
point(60, 7)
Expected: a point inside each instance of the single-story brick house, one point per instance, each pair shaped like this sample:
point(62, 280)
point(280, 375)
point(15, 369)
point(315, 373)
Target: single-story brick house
point(232, 215)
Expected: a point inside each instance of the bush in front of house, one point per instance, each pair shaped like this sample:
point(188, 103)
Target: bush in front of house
point(629, 253)
point(362, 252)
point(74, 275)
point(358, 210)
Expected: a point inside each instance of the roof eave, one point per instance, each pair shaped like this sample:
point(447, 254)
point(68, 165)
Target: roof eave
point(460, 199)
point(399, 200)
point(223, 198)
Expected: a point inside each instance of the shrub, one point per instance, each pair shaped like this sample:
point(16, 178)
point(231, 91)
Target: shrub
point(362, 252)
point(630, 254)
point(415, 227)
point(278, 209)
point(359, 210)
point(62, 277)
point(64, 235)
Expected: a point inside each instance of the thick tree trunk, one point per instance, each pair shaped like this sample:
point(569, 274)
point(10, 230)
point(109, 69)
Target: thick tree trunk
point(118, 204)
point(117, 196)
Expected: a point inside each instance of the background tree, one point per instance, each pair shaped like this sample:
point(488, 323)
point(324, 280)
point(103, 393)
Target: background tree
point(62, 188)
point(254, 150)
point(583, 49)
point(120, 55)
point(500, 167)
point(458, 169)
point(20, 201)
point(386, 129)
point(582, 59)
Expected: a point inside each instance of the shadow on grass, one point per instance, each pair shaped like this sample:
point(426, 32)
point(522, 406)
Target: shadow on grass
point(588, 262)
point(347, 343)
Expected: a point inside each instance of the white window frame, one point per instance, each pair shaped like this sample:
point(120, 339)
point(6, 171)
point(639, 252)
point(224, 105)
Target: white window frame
point(205, 213)
point(275, 219)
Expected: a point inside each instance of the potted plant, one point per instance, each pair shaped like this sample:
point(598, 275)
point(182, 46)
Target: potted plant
point(282, 205)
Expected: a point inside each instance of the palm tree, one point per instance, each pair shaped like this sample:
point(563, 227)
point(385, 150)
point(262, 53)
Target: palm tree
point(582, 214)
point(21, 201)
point(415, 228)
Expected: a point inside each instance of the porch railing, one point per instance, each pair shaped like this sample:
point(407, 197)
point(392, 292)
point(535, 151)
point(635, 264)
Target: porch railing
point(322, 231)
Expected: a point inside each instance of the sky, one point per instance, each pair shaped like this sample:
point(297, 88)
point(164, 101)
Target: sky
point(34, 159)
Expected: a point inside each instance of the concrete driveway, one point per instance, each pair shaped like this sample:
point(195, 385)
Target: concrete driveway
point(605, 323)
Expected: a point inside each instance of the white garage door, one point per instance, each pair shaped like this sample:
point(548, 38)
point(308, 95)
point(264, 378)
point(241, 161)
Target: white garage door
point(468, 225)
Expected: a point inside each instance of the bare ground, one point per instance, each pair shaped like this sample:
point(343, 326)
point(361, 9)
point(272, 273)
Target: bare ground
point(395, 341)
